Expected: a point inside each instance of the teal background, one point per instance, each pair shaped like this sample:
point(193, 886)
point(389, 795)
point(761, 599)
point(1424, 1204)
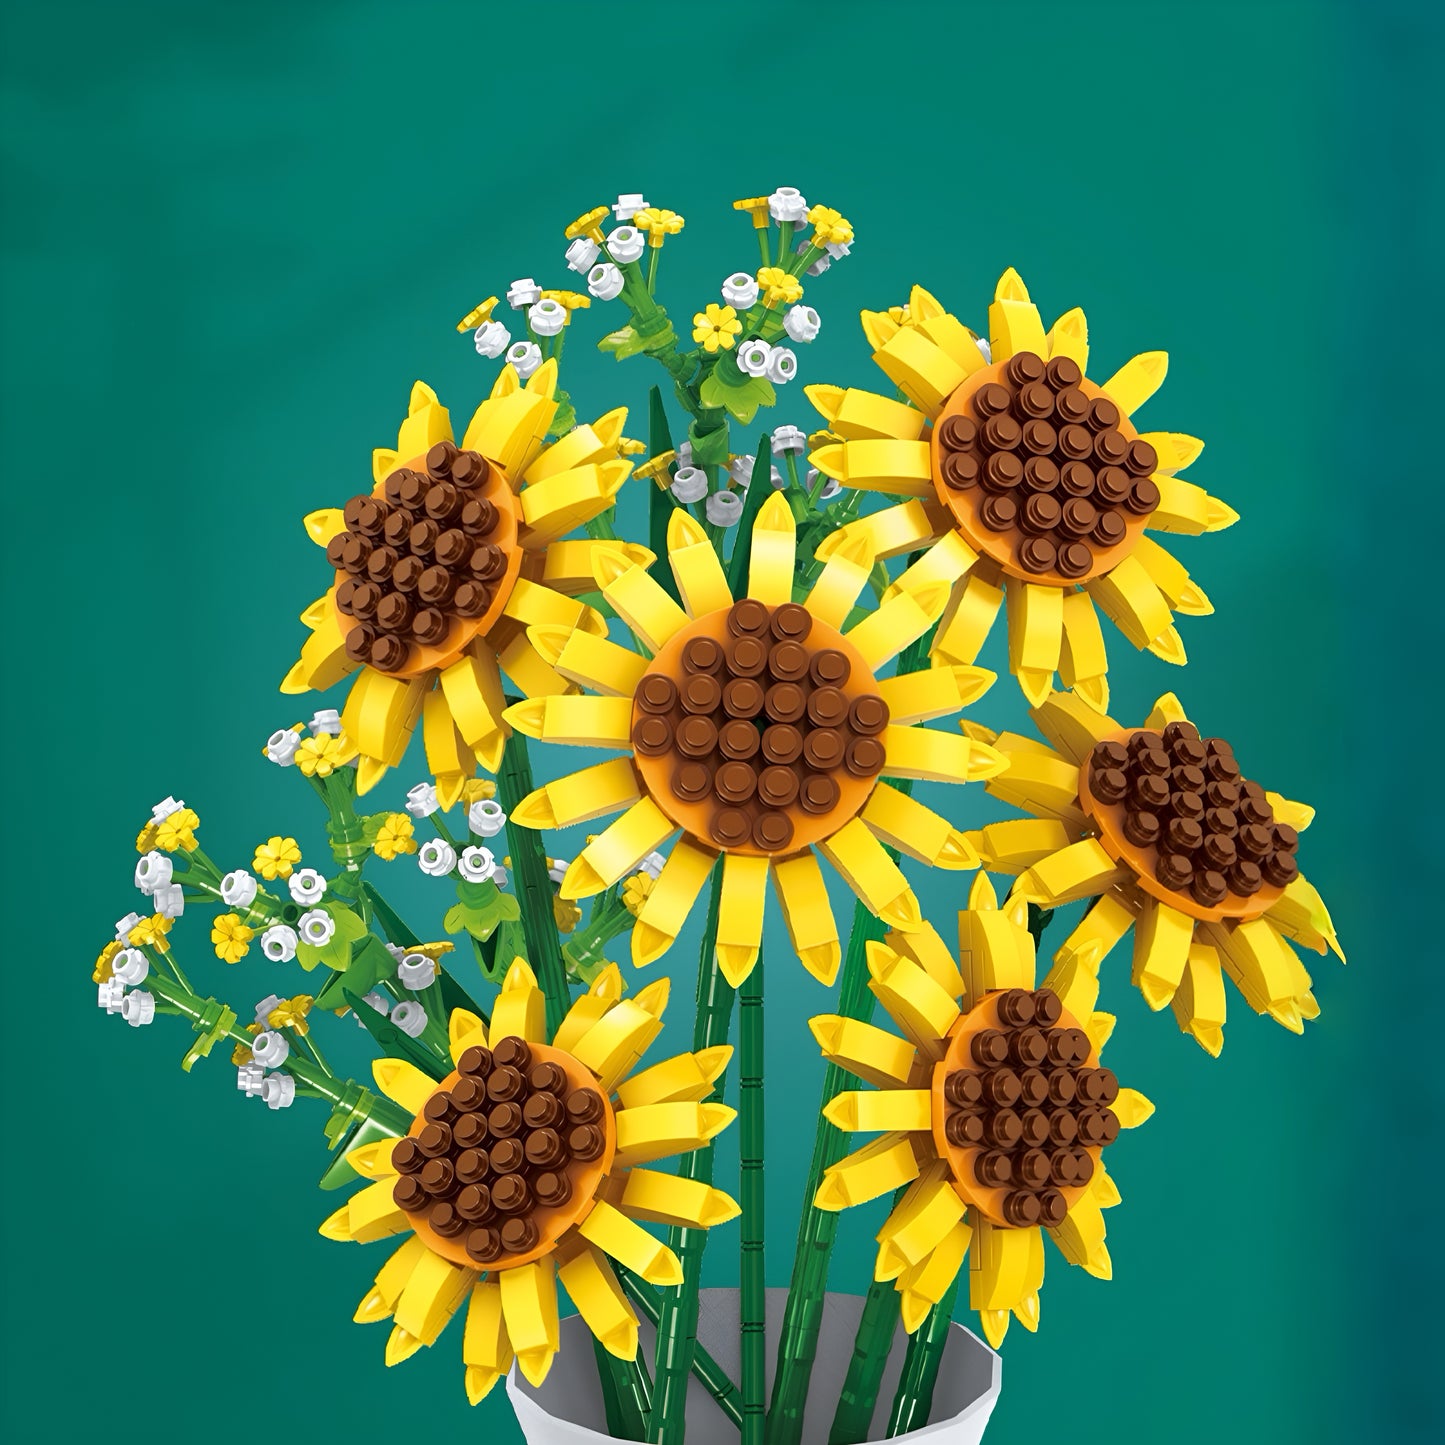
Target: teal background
point(234, 234)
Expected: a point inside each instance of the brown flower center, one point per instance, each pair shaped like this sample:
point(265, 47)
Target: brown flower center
point(758, 730)
point(1042, 471)
point(1023, 1108)
point(1176, 808)
point(425, 562)
point(505, 1155)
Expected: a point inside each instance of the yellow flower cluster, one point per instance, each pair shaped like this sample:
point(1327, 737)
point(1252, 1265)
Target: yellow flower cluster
point(658, 224)
point(102, 971)
point(177, 831)
point(635, 891)
point(151, 931)
point(231, 937)
point(319, 756)
point(779, 288)
point(291, 1014)
point(394, 837)
point(717, 327)
point(276, 857)
point(830, 228)
point(565, 913)
point(478, 790)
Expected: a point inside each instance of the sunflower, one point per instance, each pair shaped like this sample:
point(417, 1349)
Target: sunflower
point(523, 1167)
point(993, 1109)
point(442, 566)
point(1161, 828)
point(1028, 484)
point(760, 729)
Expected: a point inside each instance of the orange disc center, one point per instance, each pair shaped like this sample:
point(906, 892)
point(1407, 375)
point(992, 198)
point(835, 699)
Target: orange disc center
point(759, 729)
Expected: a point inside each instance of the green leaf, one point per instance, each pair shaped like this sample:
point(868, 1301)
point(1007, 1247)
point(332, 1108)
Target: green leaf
point(395, 1044)
point(369, 964)
point(710, 447)
point(741, 401)
point(371, 825)
point(623, 343)
point(481, 907)
point(336, 952)
point(396, 931)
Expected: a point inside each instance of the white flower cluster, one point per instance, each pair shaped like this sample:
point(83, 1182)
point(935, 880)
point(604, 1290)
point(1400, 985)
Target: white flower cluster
point(119, 994)
point(759, 358)
point(269, 1050)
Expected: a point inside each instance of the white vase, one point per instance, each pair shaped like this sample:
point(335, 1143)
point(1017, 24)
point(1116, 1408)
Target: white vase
point(567, 1408)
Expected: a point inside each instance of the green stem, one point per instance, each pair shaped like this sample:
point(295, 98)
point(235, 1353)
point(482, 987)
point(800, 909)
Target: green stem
point(913, 1403)
point(618, 1426)
point(876, 1327)
point(714, 1378)
point(818, 1228)
point(652, 264)
point(677, 1323)
point(752, 1277)
point(762, 234)
point(534, 888)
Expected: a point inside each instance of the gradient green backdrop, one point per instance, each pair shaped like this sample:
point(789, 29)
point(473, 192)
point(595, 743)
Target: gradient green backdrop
point(234, 234)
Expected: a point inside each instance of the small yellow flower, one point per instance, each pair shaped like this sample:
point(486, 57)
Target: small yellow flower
point(656, 468)
point(477, 315)
point(241, 1056)
point(779, 288)
point(102, 971)
point(177, 831)
point(829, 228)
point(394, 836)
point(291, 1013)
point(658, 223)
point(757, 208)
point(145, 840)
point(822, 439)
point(716, 327)
point(570, 300)
point(321, 755)
point(276, 857)
point(566, 914)
point(630, 447)
point(231, 937)
point(432, 950)
point(589, 224)
point(151, 931)
point(478, 790)
point(635, 891)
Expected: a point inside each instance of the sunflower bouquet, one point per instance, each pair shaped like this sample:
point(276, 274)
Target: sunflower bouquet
point(767, 677)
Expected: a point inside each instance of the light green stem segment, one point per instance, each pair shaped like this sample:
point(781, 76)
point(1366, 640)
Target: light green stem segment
point(877, 1326)
point(752, 1275)
point(534, 888)
point(714, 1378)
point(677, 1322)
point(803, 1314)
point(914, 1401)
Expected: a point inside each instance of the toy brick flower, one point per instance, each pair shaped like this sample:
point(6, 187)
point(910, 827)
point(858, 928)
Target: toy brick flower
point(829, 227)
point(1024, 483)
point(549, 1143)
point(394, 837)
point(779, 288)
point(588, 226)
point(290, 1013)
point(151, 932)
point(569, 301)
point(757, 208)
point(177, 831)
point(566, 915)
point(992, 1111)
point(276, 857)
point(321, 754)
point(282, 745)
point(478, 315)
point(1164, 831)
point(760, 730)
point(716, 327)
point(230, 937)
point(659, 224)
point(103, 963)
point(443, 564)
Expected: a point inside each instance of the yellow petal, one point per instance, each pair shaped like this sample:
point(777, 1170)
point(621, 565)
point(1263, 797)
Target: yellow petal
point(938, 757)
point(872, 875)
point(901, 469)
point(808, 915)
point(917, 1003)
point(684, 1078)
point(859, 415)
point(588, 722)
point(603, 788)
point(933, 693)
point(1161, 948)
point(529, 1307)
point(433, 1294)
point(592, 1284)
point(1199, 1003)
point(880, 1110)
point(740, 915)
point(639, 601)
point(630, 1245)
point(911, 828)
point(1137, 380)
point(967, 619)
point(666, 1199)
point(403, 1083)
point(896, 622)
point(606, 989)
point(884, 1164)
point(1069, 336)
point(617, 1040)
point(696, 566)
point(873, 1054)
point(657, 1130)
point(1081, 870)
point(1014, 324)
point(592, 661)
point(666, 907)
